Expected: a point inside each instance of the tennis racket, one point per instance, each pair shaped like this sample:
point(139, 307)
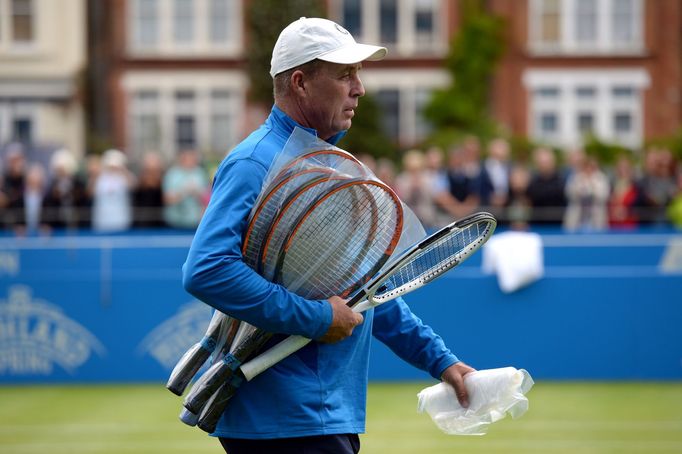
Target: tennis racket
point(364, 208)
point(190, 363)
point(414, 268)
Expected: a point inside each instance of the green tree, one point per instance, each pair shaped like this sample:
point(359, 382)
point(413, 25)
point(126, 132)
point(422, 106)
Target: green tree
point(463, 107)
point(265, 20)
point(367, 133)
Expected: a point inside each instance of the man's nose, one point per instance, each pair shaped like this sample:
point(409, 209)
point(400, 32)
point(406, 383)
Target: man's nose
point(357, 89)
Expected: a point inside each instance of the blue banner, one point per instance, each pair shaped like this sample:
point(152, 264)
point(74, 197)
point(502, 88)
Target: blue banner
point(112, 309)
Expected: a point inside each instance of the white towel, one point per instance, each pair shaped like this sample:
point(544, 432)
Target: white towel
point(492, 394)
point(516, 258)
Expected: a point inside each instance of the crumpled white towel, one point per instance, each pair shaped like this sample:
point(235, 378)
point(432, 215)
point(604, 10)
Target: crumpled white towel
point(492, 394)
point(516, 258)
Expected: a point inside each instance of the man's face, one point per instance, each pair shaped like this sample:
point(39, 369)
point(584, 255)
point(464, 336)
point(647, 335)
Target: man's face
point(332, 97)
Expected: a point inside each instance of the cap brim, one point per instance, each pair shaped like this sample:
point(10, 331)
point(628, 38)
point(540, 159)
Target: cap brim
point(354, 53)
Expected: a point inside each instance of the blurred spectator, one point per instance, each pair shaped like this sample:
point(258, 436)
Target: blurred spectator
point(368, 160)
point(675, 207)
point(546, 188)
point(33, 200)
point(479, 180)
point(385, 171)
point(496, 168)
point(460, 183)
point(148, 194)
point(184, 187)
point(415, 187)
point(587, 190)
point(658, 184)
point(625, 195)
point(93, 167)
point(13, 187)
point(65, 203)
point(111, 199)
point(518, 208)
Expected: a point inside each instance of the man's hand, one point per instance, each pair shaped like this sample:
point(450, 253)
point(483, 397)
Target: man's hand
point(343, 321)
point(454, 376)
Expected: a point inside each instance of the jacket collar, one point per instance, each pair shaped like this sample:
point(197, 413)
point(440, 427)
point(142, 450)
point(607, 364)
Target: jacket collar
point(282, 123)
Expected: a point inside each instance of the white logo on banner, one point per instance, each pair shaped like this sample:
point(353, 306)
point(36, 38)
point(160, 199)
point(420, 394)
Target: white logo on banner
point(168, 341)
point(35, 335)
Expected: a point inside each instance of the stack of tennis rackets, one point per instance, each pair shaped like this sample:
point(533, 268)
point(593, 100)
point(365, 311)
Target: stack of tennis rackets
point(322, 226)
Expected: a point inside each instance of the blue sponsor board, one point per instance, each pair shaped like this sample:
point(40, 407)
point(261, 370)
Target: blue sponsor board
point(112, 308)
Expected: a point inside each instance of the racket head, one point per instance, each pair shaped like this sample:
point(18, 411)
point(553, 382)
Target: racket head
point(434, 256)
point(341, 240)
point(270, 203)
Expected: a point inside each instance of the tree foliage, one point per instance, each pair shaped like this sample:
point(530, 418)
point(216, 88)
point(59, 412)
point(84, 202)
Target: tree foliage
point(367, 134)
point(265, 20)
point(463, 107)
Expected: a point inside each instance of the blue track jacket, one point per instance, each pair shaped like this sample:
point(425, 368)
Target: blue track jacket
point(322, 388)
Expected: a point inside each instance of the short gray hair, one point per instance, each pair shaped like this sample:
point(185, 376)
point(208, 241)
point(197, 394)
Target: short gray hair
point(282, 81)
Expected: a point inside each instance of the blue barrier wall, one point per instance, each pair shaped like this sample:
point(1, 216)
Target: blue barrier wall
point(101, 309)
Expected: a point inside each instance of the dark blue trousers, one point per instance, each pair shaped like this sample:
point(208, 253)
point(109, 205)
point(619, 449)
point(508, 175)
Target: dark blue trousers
point(323, 444)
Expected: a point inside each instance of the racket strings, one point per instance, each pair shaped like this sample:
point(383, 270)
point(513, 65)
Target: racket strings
point(435, 259)
point(357, 227)
point(268, 207)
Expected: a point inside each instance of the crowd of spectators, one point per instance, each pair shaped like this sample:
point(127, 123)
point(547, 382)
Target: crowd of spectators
point(561, 188)
point(108, 194)
point(104, 194)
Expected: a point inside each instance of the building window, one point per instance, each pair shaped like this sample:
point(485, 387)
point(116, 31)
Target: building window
point(22, 20)
point(407, 27)
point(388, 21)
point(586, 22)
point(585, 26)
point(220, 15)
point(145, 113)
point(622, 123)
point(389, 102)
point(183, 21)
point(549, 124)
point(168, 114)
point(624, 29)
point(185, 121)
point(585, 123)
point(146, 23)
point(604, 103)
point(550, 22)
point(185, 28)
point(222, 108)
point(352, 17)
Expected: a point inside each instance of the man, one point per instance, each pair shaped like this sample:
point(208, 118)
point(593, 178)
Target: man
point(313, 401)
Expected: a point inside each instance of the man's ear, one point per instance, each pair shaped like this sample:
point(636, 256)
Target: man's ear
point(298, 80)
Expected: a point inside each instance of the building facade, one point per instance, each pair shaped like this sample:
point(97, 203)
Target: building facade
point(173, 72)
point(42, 63)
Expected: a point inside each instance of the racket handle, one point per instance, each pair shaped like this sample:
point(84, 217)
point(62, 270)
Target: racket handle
point(188, 366)
point(363, 306)
point(210, 415)
point(269, 358)
point(188, 417)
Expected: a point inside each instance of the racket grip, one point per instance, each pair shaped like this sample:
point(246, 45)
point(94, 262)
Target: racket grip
point(204, 388)
point(363, 306)
point(188, 417)
point(188, 366)
point(291, 344)
point(210, 415)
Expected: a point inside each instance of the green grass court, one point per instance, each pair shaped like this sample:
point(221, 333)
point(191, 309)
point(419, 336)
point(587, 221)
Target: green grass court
point(564, 417)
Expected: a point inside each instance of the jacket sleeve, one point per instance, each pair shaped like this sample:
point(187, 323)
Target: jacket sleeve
point(408, 337)
point(215, 272)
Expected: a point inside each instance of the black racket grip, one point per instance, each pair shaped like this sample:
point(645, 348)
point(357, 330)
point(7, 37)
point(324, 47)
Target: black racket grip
point(188, 366)
point(223, 371)
point(208, 384)
point(208, 420)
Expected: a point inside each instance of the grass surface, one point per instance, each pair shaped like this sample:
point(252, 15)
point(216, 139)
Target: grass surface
point(563, 418)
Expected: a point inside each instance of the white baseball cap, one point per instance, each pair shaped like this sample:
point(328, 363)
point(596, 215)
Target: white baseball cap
point(308, 39)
